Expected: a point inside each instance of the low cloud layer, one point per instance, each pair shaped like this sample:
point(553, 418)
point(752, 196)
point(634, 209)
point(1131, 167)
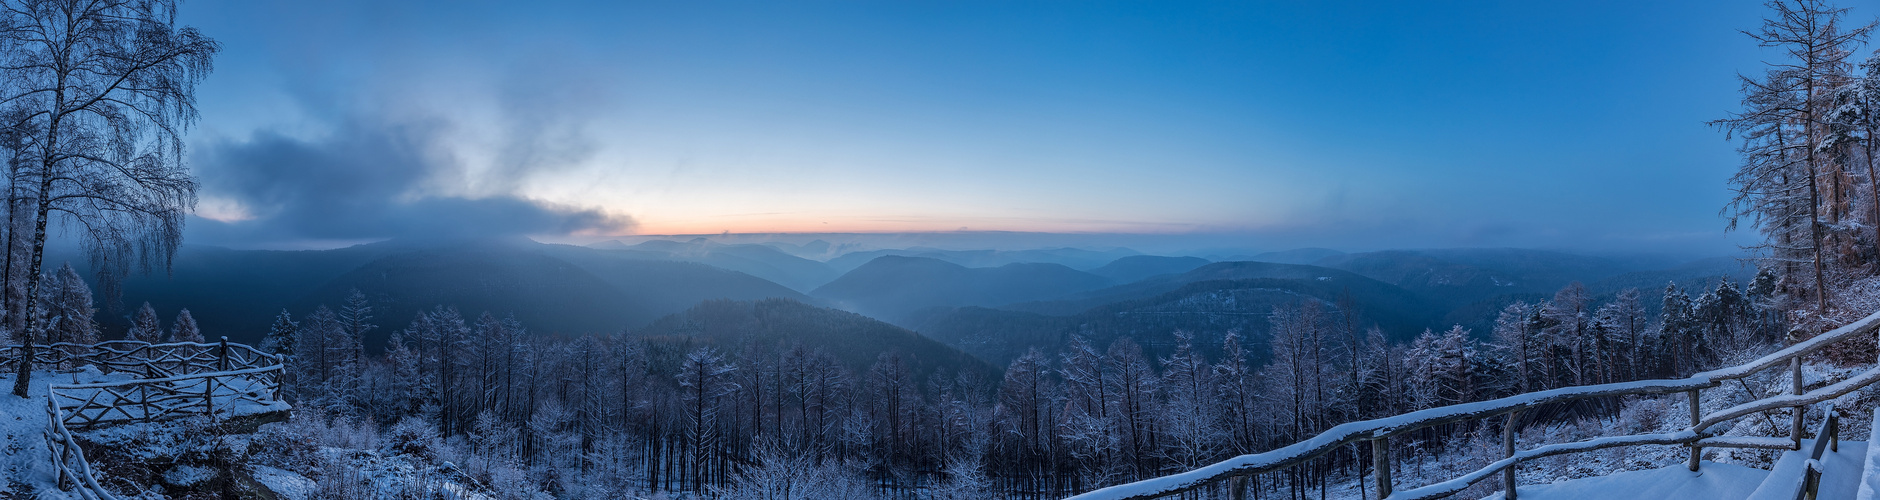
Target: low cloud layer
point(366, 179)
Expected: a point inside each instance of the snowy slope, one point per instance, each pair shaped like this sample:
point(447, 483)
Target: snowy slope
point(25, 461)
point(1713, 481)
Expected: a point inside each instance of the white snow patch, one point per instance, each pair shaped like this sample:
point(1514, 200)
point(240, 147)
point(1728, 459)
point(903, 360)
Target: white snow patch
point(1870, 473)
point(286, 485)
point(24, 457)
point(1711, 481)
point(188, 475)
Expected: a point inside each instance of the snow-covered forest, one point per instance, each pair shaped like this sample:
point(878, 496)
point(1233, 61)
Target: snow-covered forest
point(598, 416)
point(408, 389)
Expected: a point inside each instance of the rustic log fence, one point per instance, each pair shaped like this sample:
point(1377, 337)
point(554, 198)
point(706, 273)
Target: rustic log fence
point(1229, 477)
point(144, 359)
point(172, 381)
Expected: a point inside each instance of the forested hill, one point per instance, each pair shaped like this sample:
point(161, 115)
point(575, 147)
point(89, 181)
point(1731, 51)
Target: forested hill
point(1150, 312)
point(994, 313)
point(890, 287)
point(1457, 276)
point(778, 326)
point(763, 261)
point(550, 288)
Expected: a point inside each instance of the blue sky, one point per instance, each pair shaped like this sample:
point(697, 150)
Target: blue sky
point(1575, 125)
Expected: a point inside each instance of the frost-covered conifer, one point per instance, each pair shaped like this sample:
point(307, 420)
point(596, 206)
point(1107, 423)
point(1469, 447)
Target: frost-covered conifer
point(1680, 333)
point(355, 320)
point(185, 329)
point(1624, 321)
point(68, 299)
point(145, 326)
point(281, 337)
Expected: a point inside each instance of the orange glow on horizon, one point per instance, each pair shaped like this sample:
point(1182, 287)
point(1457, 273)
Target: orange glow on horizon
point(910, 224)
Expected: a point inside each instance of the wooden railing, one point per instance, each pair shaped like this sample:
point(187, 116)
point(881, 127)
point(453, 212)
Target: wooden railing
point(69, 459)
point(1378, 432)
point(213, 394)
point(173, 381)
point(145, 359)
point(1828, 438)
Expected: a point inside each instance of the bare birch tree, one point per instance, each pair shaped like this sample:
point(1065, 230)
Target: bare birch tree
point(99, 94)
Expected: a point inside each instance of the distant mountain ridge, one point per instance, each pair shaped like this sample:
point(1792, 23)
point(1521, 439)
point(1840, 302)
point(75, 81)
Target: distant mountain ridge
point(550, 288)
point(891, 286)
point(779, 324)
point(1075, 258)
point(763, 261)
point(1207, 308)
point(1136, 267)
point(1298, 255)
point(1460, 276)
point(993, 312)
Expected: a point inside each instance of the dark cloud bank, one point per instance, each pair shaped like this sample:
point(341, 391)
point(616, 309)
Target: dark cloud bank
point(365, 180)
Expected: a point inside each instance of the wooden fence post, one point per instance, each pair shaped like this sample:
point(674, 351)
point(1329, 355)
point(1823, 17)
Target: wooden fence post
point(1697, 452)
point(1380, 460)
point(1507, 447)
point(222, 363)
point(1795, 372)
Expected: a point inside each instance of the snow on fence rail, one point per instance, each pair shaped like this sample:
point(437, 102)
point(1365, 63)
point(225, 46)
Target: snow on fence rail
point(1378, 432)
point(145, 359)
point(214, 394)
point(174, 380)
point(69, 459)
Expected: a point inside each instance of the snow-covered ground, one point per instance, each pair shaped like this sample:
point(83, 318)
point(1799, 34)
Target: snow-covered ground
point(25, 461)
point(115, 397)
point(285, 484)
point(26, 466)
point(1712, 481)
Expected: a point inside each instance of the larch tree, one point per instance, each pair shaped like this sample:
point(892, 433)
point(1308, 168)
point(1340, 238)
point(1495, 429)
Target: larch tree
point(1134, 385)
point(1790, 184)
point(1238, 391)
point(97, 98)
point(704, 379)
point(1515, 343)
point(1568, 314)
point(1023, 398)
point(355, 319)
point(1191, 422)
point(1087, 399)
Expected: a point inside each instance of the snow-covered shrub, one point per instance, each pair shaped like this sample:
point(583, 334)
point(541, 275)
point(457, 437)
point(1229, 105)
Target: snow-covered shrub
point(1642, 415)
point(351, 434)
point(339, 478)
point(965, 481)
point(413, 436)
point(509, 482)
point(781, 475)
point(188, 475)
